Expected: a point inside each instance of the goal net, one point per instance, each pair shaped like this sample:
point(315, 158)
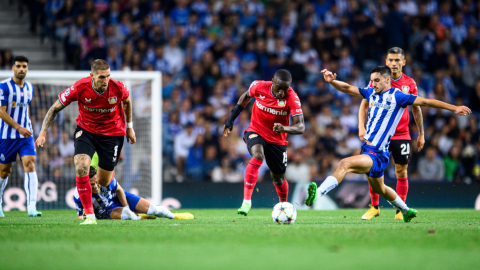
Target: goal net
point(139, 170)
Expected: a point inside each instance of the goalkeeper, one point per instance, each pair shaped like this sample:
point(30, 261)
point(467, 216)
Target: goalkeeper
point(112, 202)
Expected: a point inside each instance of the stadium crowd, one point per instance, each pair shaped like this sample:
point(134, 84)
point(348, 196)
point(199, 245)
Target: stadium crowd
point(210, 51)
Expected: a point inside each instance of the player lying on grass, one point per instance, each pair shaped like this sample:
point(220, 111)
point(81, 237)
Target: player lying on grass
point(112, 202)
point(385, 110)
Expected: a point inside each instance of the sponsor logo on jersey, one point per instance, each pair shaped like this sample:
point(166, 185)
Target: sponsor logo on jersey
point(63, 97)
point(299, 110)
point(380, 105)
point(270, 110)
point(78, 134)
point(2, 157)
point(282, 102)
point(261, 97)
point(406, 89)
point(252, 136)
point(68, 92)
point(99, 110)
point(88, 100)
point(112, 100)
point(14, 104)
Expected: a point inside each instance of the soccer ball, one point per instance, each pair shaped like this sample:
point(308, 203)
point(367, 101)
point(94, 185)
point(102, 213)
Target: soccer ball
point(284, 213)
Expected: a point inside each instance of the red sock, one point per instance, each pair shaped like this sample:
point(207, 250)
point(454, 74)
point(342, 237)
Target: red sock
point(251, 176)
point(85, 192)
point(282, 191)
point(374, 196)
point(402, 188)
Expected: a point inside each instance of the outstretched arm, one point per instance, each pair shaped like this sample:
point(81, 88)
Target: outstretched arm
point(460, 110)
point(51, 114)
point(298, 126)
point(417, 115)
point(127, 108)
point(340, 86)
point(362, 114)
point(242, 102)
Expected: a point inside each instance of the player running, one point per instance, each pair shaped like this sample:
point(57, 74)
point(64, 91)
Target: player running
point(112, 202)
point(100, 127)
point(275, 102)
point(400, 142)
point(16, 132)
point(387, 105)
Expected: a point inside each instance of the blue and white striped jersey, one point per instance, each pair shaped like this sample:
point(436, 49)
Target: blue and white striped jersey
point(103, 202)
point(384, 112)
point(17, 99)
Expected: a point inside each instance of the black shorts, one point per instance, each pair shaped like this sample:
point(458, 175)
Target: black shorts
point(108, 148)
point(400, 150)
point(275, 155)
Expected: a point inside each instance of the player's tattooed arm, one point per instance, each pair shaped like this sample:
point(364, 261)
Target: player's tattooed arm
point(127, 108)
point(51, 114)
point(298, 126)
point(417, 115)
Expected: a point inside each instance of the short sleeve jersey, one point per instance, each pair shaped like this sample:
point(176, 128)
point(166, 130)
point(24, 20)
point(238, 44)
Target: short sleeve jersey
point(103, 202)
point(406, 85)
point(384, 113)
point(268, 110)
point(100, 113)
point(17, 100)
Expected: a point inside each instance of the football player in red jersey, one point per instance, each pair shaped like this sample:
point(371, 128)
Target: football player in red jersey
point(400, 142)
point(266, 135)
point(103, 103)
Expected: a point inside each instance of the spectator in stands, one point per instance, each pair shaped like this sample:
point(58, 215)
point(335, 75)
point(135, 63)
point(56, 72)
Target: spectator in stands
point(182, 144)
point(432, 167)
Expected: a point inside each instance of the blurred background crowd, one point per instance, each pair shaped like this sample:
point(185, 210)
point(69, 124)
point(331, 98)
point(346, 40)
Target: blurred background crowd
point(210, 51)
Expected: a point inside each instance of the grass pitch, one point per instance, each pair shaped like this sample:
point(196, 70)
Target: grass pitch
point(220, 239)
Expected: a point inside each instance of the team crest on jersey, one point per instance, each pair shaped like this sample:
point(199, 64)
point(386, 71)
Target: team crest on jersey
point(78, 134)
point(282, 102)
point(21, 94)
point(406, 89)
point(389, 98)
point(252, 136)
point(112, 100)
point(2, 157)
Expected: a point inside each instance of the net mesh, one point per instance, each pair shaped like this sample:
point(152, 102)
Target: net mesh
point(55, 167)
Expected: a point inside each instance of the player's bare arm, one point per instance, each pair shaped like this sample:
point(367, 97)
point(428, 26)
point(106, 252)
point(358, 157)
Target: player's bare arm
point(242, 102)
point(340, 86)
point(9, 120)
point(51, 114)
point(362, 115)
point(460, 110)
point(121, 195)
point(127, 107)
point(417, 115)
point(298, 126)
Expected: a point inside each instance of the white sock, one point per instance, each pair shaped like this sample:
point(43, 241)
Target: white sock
point(400, 205)
point(31, 187)
point(128, 214)
point(327, 185)
point(247, 201)
point(159, 211)
point(3, 184)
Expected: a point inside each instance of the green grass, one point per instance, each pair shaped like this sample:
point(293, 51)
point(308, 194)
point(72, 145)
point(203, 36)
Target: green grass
point(220, 239)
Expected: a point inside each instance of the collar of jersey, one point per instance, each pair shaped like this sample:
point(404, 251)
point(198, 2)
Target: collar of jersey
point(389, 90)
point(91, 81)
point(21, 87)
point(271, 91)
point(398, 77)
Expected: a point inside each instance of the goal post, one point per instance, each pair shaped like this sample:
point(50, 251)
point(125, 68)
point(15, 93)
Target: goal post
point(141, 166)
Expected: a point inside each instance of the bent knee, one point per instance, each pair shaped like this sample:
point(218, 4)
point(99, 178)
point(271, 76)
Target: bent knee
point(30, 166)
point(258, 156)
point(5, 172)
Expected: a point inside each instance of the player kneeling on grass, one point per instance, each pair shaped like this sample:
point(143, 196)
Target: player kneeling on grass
point(112, 202)
point(386, 106)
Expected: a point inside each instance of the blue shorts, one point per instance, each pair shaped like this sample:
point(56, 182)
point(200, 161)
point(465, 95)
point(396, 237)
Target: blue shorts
point(380, 160)
point(132, 200)
point(10, 147)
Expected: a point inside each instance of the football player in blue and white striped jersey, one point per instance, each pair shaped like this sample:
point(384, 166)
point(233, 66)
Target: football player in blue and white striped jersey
point(386, 106)
point(16, 132)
